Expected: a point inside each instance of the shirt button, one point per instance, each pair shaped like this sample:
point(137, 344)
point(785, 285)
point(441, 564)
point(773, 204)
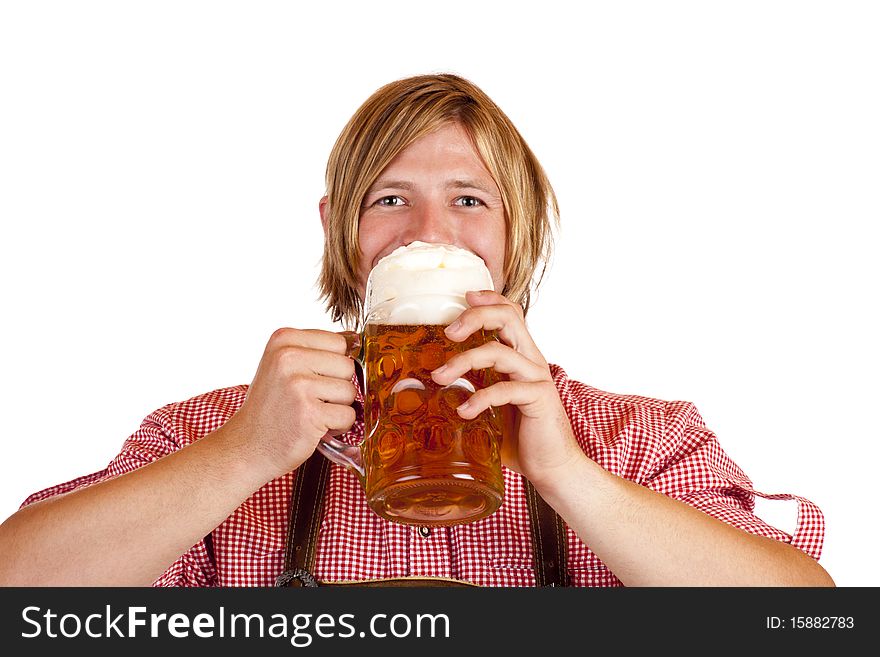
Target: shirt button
point(425, 532)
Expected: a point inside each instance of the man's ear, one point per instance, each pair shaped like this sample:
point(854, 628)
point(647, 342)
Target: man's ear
point(322, 209)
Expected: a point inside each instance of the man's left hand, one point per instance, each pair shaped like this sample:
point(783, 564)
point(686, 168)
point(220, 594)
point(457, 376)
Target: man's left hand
point(542, 440)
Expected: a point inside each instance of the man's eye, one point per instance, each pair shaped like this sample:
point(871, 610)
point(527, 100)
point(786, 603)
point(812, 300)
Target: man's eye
point(468, 201)
point(390, 201)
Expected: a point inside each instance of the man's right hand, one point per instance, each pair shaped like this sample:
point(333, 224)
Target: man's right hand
point(97, 535)
point(302, 389)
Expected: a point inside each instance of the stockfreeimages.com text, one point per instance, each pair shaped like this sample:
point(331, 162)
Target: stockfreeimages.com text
point(300, 629)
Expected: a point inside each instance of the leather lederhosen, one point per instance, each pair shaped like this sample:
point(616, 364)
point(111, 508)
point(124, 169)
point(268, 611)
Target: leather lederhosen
point(307, 503)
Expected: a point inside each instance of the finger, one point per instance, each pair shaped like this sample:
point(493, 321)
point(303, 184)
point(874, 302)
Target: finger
point(337, 343)
point(506, 318)
point(338, 418)
point(500, 357)
point(489, 298)
point(332, 391)
point(323, 363)
point(529, 396)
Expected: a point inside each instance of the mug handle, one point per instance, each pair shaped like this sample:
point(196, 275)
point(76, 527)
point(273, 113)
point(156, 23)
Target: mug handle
point(342, 453)
point(334, 449)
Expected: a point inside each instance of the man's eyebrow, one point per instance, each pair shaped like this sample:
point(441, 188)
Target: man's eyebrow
point(390, 184)
point(469, 183)
point(455, 183)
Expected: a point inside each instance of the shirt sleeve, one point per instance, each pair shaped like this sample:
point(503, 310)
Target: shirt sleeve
point(695, 469)
point(153, 440)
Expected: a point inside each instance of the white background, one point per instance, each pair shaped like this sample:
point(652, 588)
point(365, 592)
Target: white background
point(716, 165)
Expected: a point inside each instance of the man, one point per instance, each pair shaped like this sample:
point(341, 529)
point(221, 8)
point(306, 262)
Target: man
point(201, 493)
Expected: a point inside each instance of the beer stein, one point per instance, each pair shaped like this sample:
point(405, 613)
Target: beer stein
point(420, 462)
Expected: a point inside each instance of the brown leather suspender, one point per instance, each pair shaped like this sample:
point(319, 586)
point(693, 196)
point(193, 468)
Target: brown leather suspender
point(307, 502)
point(549, 543)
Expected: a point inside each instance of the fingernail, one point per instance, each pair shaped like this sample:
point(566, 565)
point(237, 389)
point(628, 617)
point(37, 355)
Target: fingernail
point(453, 328)
point(463, 407)
point(439, 369)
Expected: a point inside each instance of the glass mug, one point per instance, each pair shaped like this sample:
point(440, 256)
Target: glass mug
point(420, 462)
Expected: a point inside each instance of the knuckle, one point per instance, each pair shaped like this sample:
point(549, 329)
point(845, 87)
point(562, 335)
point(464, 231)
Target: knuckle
point(284, 338)
point(299, 385)
point(513, 311)
point(314, 419)
point(289, 358)
point(279, 335)
point(469, 315)
point(495, 347)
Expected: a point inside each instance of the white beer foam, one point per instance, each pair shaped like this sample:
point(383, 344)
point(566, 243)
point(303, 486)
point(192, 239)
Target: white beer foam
point(423, 283)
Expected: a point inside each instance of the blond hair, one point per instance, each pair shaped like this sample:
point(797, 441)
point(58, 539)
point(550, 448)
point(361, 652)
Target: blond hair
point(393, 118)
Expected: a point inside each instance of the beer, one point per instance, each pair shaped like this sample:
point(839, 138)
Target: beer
point(420, 462)
point(424, 464)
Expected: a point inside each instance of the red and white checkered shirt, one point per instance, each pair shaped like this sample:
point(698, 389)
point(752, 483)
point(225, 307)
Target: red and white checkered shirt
point(662, 445)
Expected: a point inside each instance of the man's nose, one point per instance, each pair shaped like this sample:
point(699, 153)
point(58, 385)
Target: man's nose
point(431, 223)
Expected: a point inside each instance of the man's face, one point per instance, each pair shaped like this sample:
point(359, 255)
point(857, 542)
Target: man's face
point(436, 190)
